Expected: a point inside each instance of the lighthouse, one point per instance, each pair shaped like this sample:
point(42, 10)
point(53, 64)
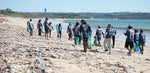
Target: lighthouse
point(45, 10)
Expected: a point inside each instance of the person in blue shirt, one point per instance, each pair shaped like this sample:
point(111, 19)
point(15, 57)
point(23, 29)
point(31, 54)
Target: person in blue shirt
point(136, 36)
point(46, 26)
point(51, 28)
point(130, 39)
point(60, 30)
point(99, 34)
point(113, 37)
point(142, 39)
point(70, 31)
point(85, 31)
point(108, 38)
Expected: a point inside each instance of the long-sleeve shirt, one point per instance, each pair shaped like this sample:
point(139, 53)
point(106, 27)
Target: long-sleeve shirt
point(84, 29)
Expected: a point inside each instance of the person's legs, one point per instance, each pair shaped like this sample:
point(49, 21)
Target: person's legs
point(131, 46)
point(105, 42)
point(50, 33)
point(99, 43)
point(113, 39)
point(127, 45)
point(31, 32)
point(39, 31)
point(60, 34)
point(85, 44)
point(142, 49)
point(80, 39)
point(109, 40)
point(46, 34)
point(69, 36)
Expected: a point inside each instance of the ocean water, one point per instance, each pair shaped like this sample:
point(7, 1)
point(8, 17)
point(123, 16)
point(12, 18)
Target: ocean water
point(120, 25)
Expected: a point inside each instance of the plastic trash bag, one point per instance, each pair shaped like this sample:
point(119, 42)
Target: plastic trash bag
point(76, 40)
point(89, 45)
point(57, 28)
point(95, 41)
point(43, 30)
point(136, 47)
point(28, 26)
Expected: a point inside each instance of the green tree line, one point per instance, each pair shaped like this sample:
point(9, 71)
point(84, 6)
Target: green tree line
point(117, 15)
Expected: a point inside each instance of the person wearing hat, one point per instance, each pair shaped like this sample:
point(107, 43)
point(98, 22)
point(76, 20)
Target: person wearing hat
point(130, 39)
point(108, 38)
point(98, 34)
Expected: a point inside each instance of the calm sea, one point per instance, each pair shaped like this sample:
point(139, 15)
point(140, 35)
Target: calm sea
point(120, 25)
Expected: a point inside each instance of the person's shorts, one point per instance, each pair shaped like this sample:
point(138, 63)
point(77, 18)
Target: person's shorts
point(46, 31)
point(127, 44)
point(141, 44)
point(98, 38)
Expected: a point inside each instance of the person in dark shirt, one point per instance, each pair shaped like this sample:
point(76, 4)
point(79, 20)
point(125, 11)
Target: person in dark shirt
point(113, 37)
point(130, 39)
point(46, 26)
point(136, 36)
point(60, 30)
point(39, 27)
point(142, 40)
point(76, 31)
point(99, 34)
point(85, 31)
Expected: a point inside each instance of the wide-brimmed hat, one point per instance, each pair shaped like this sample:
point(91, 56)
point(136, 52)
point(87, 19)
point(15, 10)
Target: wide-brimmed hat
point(129, 26)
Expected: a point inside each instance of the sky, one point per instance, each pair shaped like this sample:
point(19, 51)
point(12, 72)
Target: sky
point(98, 6)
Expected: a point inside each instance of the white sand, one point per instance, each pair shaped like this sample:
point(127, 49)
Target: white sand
point(20, 51)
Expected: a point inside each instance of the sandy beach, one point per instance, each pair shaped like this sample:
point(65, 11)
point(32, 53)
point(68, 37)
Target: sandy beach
point(27, 54)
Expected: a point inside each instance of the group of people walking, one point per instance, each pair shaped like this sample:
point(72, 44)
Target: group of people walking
point(84, 32)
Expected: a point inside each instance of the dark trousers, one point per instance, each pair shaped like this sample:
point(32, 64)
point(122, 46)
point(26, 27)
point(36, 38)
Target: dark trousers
point(80, 38)
point(39, 31)
point(85, 43)
point(113, 39)
point(31, 32)
point(50, 33)
point(60, 34)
